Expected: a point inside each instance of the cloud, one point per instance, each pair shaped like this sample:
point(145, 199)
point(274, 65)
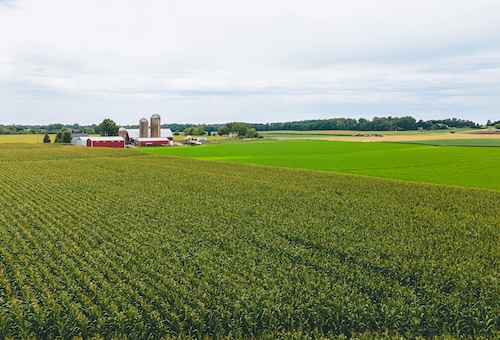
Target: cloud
point(223, 60)
point(9, 3)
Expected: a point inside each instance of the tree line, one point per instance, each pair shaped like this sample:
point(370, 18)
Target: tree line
point(361, 124)
point(48, 129)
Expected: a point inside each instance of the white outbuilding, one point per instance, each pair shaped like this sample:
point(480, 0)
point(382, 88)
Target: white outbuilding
point(79, 141)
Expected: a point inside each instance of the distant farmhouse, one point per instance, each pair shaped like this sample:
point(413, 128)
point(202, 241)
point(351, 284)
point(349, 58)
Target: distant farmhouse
point(146, 135)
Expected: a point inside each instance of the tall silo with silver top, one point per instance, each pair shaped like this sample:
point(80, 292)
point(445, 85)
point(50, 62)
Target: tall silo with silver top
point(143, 128)
point(155, 126)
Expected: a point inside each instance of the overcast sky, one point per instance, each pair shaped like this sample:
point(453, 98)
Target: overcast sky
point(201, 61)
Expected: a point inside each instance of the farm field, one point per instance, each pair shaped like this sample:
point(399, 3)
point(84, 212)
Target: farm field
point(494, 142)
point(383, 136)
point(107, 243)
point(456, 166)
point(28, 138)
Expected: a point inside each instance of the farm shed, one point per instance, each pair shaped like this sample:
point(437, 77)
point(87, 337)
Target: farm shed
point(201, 139)
point(157, 141)
point(106, 142)
point(167, 133)
point(79, 141)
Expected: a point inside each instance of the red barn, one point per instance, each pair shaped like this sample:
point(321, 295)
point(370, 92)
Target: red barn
point(106, 142)
point(154, 141)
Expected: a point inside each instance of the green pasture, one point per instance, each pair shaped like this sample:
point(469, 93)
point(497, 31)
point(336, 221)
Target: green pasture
point(304, 134)
point(461, 142)
point(457, 166)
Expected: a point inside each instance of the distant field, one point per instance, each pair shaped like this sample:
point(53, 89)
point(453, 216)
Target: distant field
point(461, 142)
point(24, 138)
point(460, 166)
point(115, 244)
point(353, 132)
point(382, 136)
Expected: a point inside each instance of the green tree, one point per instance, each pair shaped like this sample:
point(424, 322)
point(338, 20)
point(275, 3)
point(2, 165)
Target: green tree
point(407, 123)
point(251, 133)
point(66, 137)
point(224, 130)
point(237, 128)
point(439, 126)
point(189, 131)
point(55, 127)
point(199, 130)
point(46, 138)
point(59, 137)
point(108, 128)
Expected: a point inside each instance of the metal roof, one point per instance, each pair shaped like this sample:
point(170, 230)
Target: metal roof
point(107, 138)
point(166, 133)
point(151, 139)
point(134, 133)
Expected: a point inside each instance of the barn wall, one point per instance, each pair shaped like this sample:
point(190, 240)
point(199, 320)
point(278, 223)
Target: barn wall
point(105, 144)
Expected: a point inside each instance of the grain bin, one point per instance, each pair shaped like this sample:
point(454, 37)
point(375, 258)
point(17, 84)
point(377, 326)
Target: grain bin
point(143, 128)
point(155, 126)
point(122, 132)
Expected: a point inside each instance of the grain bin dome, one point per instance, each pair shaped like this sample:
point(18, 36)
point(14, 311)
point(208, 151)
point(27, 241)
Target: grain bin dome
point(143, 120)
point(156, 116)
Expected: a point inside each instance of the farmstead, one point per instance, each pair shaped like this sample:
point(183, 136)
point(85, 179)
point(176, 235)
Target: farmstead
point(148, 135)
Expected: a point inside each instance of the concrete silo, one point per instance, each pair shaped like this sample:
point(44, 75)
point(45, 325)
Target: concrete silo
point(143, 128)
point(122, 132)
point(155, 126)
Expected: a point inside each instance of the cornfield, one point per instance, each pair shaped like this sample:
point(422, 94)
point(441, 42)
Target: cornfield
point(113, 243)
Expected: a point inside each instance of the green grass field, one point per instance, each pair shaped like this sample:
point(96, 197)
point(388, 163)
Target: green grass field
point(291, 134)
point(110, 243)
point(461, 142)
point(458, 166)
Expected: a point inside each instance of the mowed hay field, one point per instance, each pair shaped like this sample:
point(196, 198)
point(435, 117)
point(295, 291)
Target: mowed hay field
point(456, 166)
point(113, 243)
